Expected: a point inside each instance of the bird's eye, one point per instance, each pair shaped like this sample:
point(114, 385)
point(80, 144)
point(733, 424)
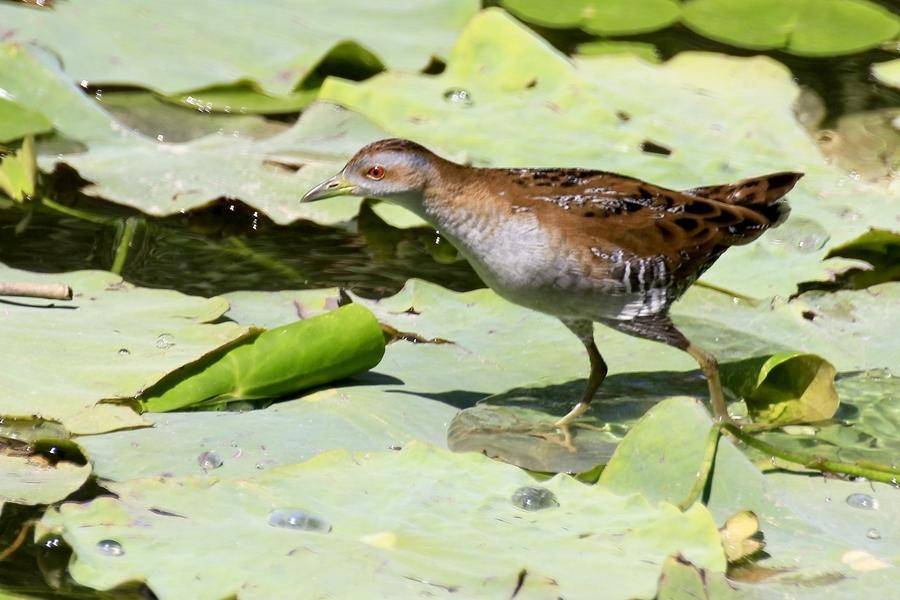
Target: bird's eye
point(376, 172)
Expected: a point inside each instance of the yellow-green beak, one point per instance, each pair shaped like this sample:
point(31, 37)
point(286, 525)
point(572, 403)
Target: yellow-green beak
point(336, 186)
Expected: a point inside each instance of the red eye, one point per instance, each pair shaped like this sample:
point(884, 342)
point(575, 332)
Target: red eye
point(376, 172)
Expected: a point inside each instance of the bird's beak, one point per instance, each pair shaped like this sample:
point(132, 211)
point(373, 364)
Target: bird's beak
point(336, 186)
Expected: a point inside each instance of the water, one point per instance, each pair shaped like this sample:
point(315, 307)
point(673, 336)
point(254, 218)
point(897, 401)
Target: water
point(209, 461)
point(297, 518)
point(863, 501)
point(110, 548)
point(534, 498)
point(165, 341)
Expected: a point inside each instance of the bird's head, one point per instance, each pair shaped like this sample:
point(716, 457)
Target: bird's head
point(393, 169)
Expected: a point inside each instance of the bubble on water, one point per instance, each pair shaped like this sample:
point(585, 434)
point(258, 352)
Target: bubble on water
point(458, 96)
point(209, 461)
point(863, 501)
point(873, 534)
point(123, 352)
point(165, 341)
point(534, 498)
point(297, 518)
point(110, 548)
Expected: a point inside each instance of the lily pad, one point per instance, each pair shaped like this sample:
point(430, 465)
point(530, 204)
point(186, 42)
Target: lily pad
point(888, 72)
point(605, 17)
point(646, 51)
point(16, 121)
point(804, 27)
point(784, 388)
point(32, 479)
point(706, 108)
point(163, 179)
point(399, 517)
point(815, 537)
point(242, 99)
point(18, 172)
point(77, 362)
point(170, 46)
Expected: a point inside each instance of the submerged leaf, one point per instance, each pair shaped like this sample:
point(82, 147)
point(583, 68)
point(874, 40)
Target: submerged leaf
point(785, 388)
point(888, 72)
point(27, 478)
point(286, 359)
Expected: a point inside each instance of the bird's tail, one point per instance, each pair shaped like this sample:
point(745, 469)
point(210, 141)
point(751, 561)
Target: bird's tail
point(762, 197)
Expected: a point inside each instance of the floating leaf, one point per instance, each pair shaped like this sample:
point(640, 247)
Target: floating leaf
point(162, 179)
point(18, 172)
point(705, 107)
point(880, 249)
point(242, 99)
point(16, 121)
point(113, 338)
point(784, 388)
point(605, 17)
point(866, 145)
point(647, 52)
point(31, 479)
point(681, 580)
point(888, 72)
point(276, 362)
point(739, 536)
point(170, 46)
point(804, 27)
point(400, 518)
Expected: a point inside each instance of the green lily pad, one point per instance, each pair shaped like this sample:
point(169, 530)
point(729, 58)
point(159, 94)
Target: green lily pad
point(867, 145)
point(888, 72)
point(18, 172)
point(399, 518)
point(161, 179)
point(605, 17)
point(77, 362)
point(16, 121)
point(784, 388)
point(242, 99)
point(680, 580)
point(647, 52)
point(706, 108)
point(276, 362)
point(165, 122)
point(32, 479)
point(818, 539)
point(804, 27)
point(169, 46)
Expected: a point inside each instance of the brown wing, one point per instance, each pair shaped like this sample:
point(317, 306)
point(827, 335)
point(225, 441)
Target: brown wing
point(642, 222)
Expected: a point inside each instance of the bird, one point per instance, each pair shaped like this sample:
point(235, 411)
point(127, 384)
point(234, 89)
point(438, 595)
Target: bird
point(585, 246)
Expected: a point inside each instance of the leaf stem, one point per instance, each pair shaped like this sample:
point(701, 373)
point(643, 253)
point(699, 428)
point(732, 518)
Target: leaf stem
point(709, 457)
point(871, 471)
point(126, 235)
point(722, 290)
point(74, 212)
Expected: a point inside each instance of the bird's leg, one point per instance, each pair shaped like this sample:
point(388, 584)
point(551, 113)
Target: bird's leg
point(710, 367)
point(584, 329)
point(661, 329)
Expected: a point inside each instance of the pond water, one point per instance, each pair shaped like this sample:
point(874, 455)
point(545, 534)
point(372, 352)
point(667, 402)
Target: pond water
point(229, 247)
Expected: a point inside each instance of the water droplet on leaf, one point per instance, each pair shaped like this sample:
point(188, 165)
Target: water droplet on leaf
point(209, 461)
point(458, 96)
point(873, 534)
point(110, 548)
point(165, 341)
point(534, 498)
point(124, 352)
point(863, 501)
point(296, 518)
